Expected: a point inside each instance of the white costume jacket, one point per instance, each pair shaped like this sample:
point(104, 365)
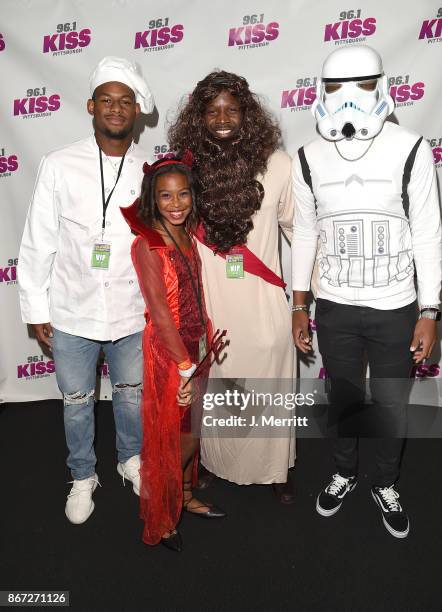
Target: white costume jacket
point(368, 223)
point(56, 281)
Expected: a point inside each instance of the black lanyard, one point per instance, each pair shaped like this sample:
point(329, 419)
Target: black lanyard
point(197, 291)
point(106, 201)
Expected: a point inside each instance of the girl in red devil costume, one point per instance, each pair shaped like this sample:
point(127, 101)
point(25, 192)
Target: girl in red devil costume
point(176, 339)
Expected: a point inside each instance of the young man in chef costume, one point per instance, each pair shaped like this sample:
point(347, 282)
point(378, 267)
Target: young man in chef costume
point(368, 214)
point(78, 288)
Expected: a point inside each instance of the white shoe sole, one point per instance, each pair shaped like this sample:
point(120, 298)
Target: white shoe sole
point(320, 510)
point(124, 476)
point(323, 512)
point(84, 520)
point(91, 509)
point(389, 528)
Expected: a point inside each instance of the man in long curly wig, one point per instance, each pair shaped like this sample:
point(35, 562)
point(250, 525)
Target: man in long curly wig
point(244, 195)
point(230, 155)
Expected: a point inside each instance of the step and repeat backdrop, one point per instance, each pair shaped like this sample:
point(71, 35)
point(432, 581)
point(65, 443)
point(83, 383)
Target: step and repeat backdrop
point(49, 48)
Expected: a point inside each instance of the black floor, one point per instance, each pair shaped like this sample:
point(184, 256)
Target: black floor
point(264, 556)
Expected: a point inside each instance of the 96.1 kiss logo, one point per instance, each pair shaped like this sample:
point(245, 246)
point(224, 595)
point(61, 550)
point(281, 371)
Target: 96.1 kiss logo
point(161, 151)
point(425, 370)
point(102, 368)
point(404, 92)
point(351, 28)
point(8, 274)
point(160, 35)
point(37, 103)
point(254, 32)
point(436, 147)
point(35, 367)
point(431, 29)
point(67, 39)
point(302, 97)
point(8, 163)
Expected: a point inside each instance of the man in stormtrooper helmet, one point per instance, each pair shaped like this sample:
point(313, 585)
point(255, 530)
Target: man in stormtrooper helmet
point(368, 215)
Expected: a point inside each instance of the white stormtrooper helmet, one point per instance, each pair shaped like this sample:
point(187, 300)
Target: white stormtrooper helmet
point(352, 99)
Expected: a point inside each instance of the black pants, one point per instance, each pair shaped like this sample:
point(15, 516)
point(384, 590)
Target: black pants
point(349, 337)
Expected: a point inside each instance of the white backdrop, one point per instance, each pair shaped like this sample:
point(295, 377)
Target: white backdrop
point(48, 49)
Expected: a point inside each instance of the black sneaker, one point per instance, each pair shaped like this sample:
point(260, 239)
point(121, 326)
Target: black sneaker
point(395, 519)
point(330, 499)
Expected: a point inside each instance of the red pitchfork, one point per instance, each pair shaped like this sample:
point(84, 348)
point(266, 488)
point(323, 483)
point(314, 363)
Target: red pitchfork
point(216, 346)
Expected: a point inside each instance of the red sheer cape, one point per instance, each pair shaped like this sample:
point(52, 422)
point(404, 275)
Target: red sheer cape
point(172, 333)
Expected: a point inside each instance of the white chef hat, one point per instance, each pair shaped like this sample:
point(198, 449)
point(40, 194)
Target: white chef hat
point(121, 70)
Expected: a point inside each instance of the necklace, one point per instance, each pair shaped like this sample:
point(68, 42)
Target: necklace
point(356, 158)
point(163, 231)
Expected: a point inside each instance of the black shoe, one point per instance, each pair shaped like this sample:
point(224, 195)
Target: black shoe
point(285, 491)
point(395, 519)
point(330, 499)
point(205, 478)
point(173, 542)
point(212, 512)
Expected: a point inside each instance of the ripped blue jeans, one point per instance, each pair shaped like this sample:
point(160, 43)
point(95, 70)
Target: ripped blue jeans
point(75, 365)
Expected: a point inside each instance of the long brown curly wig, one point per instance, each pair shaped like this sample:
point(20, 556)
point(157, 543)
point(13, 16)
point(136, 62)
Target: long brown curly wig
point(225, 171)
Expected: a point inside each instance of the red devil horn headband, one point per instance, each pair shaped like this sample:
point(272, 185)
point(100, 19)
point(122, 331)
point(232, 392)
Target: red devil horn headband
point(186, 160)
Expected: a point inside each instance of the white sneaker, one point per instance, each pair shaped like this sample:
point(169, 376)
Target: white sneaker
point(130, 470)
point(79, 505)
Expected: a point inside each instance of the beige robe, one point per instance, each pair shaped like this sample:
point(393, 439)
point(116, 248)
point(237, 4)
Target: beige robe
point(257, 317)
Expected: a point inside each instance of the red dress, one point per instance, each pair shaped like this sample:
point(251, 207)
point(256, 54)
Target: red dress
point(174, 326)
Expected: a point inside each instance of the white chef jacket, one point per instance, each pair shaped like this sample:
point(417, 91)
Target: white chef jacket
point(56, 281)
point(369, 222)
